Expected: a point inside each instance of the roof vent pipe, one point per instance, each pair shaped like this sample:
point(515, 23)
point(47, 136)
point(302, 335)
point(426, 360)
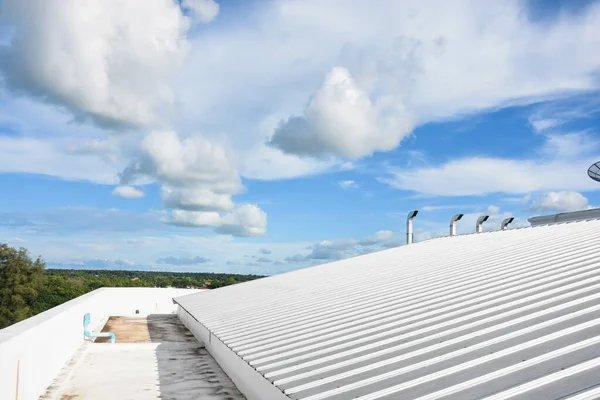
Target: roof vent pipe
point(480, 222)
point(409, 232)
point(455, 218)
point(505, 223)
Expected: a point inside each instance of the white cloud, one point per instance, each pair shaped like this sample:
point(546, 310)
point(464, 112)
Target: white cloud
point(204, 10)
point(380, 237)
point(354, 85)
point(198, 179)
point(197, 175)
point(340, 119)
point(45, 140)
point(564, 201)
point(418, 60)
point(267, 163)
point(348, 185)
point(61, 236)
point(479, 175)
point(431, 62)
point(111, 60)
point(47, 157)
point(195, 199)
point(327, 250)
point(94, 146)
point(560, 164)
point(443, 207)
point(246, 220)
point(172, 260)
point(128, 192)
point(493, 209)
point(193, 218)
point(555, 114)
point(184, 162)
point(540, 124)
point(569, 146)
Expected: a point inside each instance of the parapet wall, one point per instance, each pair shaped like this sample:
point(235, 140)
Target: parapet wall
point(33, 352)
point(252, 384)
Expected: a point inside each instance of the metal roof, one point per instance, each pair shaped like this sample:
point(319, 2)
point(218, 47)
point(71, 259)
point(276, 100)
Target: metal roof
point(496, 315)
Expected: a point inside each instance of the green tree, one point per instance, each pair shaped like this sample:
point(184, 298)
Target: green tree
point(20, 280)
point(230, 281)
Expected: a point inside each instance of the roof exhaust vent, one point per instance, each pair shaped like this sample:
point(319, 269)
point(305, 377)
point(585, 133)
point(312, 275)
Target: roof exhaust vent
point(409, 232)
point(455, 218)
point(480, 222)
point(506, 222)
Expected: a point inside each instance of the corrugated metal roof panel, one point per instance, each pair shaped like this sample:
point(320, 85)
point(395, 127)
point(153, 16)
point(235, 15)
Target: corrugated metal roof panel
point(497, 315)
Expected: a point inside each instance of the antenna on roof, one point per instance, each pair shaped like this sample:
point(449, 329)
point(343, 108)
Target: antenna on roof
point(409, 232)
point(480, 222)
point(455, 218)
point(594, 171)
point(505, 223)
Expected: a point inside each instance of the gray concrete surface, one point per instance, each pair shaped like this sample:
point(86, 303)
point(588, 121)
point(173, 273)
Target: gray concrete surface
point(154, 358)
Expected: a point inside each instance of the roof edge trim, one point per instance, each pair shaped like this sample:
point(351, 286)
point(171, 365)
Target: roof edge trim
point(593, 213)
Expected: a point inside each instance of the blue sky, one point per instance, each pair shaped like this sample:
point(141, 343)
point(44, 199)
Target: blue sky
point(261, 137)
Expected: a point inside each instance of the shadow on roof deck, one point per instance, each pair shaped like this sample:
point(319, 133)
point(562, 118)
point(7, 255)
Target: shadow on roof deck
point(154, 357)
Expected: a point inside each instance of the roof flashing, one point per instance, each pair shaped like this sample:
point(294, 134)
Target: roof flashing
point(593, 213)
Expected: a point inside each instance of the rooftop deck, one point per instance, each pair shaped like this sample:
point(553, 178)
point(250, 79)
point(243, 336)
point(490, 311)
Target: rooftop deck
point(155, 357)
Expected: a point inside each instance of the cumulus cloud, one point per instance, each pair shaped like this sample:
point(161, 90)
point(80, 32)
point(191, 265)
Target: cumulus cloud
point(183, 161)
point(341, 89)
point(110, 60)
point(563, 201)
point(264, 260)
point(265, 251)
point(198, 179)
point(341, 120)
point(172, 260)
point(195, 199)
point(203, 10)
point(246, 220)
point(128, 192)
point(398, 74)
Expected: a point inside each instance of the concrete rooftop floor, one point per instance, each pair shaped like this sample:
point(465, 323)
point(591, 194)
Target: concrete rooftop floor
point(154, 358)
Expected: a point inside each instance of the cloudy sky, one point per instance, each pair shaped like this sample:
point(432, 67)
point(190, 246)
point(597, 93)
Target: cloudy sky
point(265, 136)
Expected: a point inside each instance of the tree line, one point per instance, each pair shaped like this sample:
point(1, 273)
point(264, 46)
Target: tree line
point(28, 288)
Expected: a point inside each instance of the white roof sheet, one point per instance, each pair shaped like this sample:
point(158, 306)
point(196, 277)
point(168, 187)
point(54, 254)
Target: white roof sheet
point(494, 315)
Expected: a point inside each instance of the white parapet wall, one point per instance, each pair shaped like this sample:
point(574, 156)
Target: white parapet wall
point(252, 384)
point(33, 351)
